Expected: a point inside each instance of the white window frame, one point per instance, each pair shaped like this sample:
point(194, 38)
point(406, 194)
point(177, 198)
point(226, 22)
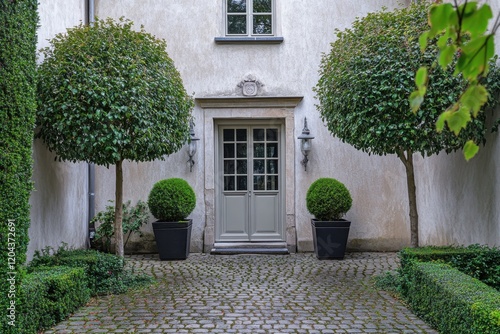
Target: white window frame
point(249, 16)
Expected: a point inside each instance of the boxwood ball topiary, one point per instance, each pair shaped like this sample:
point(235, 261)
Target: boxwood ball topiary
point(328, 199)
point(171, 200)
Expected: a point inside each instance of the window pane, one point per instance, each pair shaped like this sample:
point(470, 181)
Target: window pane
point(258, 150)
point(236, 6)
point(228, 135)
point(272, 166)
point(228, 182)
point(242, 182)
point(258, 166)
point(272, 150)
point(258, 182)
point(229, 167)
point(237, 24)
point(272, 134)
point(241, 166)
point(262, 6)
point(241, 134)
point(258, 134)
point(241, 150)
point(228, 150)
point(272, 182)
point(262, 24)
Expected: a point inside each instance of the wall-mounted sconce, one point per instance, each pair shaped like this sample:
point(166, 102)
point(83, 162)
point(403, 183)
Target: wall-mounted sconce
point(192, 146)
point(305, 143)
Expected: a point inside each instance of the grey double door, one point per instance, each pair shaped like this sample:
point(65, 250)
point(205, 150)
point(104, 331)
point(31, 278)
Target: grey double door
point(249, 183)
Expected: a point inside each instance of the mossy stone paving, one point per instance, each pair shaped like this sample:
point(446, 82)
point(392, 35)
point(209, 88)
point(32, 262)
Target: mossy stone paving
point(252, 294)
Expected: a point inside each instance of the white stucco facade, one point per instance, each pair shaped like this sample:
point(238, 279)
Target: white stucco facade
point(59, 203)
point(457, 201)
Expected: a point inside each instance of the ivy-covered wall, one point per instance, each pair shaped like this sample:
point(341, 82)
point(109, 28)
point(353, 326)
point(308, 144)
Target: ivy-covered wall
point(18, 22)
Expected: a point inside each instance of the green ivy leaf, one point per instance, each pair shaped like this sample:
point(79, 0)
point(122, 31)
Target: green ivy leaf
point(470, 150)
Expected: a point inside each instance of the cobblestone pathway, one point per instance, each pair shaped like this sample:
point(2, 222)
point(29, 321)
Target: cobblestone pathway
point(252, 294)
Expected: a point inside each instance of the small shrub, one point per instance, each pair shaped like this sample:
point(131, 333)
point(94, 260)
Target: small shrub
point(134, 216)
point(171, 200)
point(105, 272)
point(328, 199)
point(51, 294)
point(390, 282)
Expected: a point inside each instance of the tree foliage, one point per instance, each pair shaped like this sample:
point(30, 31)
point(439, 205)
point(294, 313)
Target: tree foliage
point(108, 93)
point(462, 32)
point(367, 77)
point(18, 22)
point(364, 84)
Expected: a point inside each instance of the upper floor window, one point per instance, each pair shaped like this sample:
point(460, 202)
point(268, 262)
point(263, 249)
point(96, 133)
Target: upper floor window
point(249, 17)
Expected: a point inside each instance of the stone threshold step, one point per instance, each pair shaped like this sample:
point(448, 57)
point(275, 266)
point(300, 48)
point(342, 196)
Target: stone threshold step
point(249, 248)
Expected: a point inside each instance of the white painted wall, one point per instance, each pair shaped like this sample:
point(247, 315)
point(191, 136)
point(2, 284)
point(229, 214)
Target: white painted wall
point(59, 203)
point(457, 200)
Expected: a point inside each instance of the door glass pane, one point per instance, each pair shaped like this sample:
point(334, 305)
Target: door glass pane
point(228, 150)
point(272, 150)
point(262, 24)
point(272, 134)
point(241, 167)
point(241, 150)
point(262, 6)
point(241, 134)
point(228, 135)
point(258, 166)
point(229, 167)
point(272, 166)
point(242, 182)
point(258, 182)
point(258, 134)
point(236, 6)
point(258, 150)
point(237, 24)
point(228, 182)
point(272, 182)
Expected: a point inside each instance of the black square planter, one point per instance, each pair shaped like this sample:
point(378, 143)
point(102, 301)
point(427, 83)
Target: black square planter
point(330, 238)
point(173, 239)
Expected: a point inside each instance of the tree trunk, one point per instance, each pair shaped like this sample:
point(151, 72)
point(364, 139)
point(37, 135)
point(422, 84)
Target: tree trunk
point(412, 195)
point(119, 249)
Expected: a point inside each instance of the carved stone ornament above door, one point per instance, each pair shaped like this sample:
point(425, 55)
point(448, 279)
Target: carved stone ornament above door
point(250, 86)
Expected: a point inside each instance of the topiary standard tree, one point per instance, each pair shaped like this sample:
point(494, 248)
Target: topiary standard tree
point(107, 94)
point(364, 86)
point(18, 22)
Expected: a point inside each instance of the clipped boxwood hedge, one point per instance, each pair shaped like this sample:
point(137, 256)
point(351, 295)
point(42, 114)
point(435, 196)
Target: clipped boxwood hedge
point(450, 300)
point(50, 295)
point(106, 273)
point(481, 262)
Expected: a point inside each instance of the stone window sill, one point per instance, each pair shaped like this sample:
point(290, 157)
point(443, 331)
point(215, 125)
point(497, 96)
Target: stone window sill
point(249, 40)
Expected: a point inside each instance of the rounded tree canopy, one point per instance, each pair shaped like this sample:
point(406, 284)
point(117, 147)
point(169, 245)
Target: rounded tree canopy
point(108, 93)
point(368, 76)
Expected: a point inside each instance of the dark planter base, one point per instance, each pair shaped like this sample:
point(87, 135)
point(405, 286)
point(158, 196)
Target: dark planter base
point(173, 239)
point(330, 238)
